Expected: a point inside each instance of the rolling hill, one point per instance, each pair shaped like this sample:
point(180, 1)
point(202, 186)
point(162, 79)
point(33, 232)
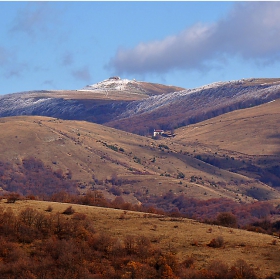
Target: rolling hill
point(140, 107)
point(222, 156)
point(183, 239)
point(138, 167)
point(244, 141)
point(172, 110)
point(98, 103)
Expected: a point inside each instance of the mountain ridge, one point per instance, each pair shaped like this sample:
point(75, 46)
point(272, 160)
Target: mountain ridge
point(140, 107)
point(193, 105)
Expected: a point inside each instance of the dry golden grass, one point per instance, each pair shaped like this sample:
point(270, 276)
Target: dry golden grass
point(252, 131)
point(101, 96)
point(184, 237)
point(249, 135)
point(87, 149)
point(145, 90)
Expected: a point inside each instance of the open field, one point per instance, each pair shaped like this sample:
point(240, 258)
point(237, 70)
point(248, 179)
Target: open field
point(183, 237)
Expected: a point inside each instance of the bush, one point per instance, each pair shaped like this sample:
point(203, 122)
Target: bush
point(49, 209)
point(188, 263)
point(227, 219)
point(180, 175)
point(68, 211)
point(218, 269)
point(217, 242)
point(13, 197)
point(241, 270)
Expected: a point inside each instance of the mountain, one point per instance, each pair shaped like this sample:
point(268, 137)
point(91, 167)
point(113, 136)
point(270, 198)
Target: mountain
point(137, 167)
point(129, 87)
point(96, 103)
point(140, 107)
point(168, 111)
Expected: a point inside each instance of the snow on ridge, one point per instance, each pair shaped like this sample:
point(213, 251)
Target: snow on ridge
point(157, 101)
point(214, 93)
point(114, 83)
point(13, 103)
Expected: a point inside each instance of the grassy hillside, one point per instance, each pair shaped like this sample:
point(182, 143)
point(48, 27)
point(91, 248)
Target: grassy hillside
point(104, 158)
point(252, 131)
point(245, 142)
point(183, 238)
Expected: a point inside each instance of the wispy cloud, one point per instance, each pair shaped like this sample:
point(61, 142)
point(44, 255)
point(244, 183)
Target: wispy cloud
point(251, 31)
point(5, 56)
point(82, 74)
point(67, 59)
point(16, 69)
point(36, 18)
point(50, 83)
point(10, 66)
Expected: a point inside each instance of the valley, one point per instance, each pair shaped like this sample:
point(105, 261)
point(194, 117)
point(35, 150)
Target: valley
point(136, 164)
point(218, 157)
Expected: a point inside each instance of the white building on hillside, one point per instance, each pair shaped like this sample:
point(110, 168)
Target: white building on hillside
point(158, 132)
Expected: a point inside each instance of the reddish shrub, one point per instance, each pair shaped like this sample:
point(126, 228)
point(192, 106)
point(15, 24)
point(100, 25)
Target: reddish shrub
point(216, 242)
point(68, 211)
point(13, 197)
point(242, 270)
point(227, 219)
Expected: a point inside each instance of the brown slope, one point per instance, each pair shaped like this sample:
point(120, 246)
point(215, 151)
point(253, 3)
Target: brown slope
point(252, 131)
point(185, 238)
point(245, 142)
point(143, 167)
point(136, 91)
point(193, 106)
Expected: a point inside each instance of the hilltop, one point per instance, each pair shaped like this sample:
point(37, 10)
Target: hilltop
point(172, 110)
point(98, 103)
point(129, 87)
point(140, 107)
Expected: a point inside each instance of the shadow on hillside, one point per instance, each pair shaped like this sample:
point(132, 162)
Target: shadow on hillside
point(263, 168)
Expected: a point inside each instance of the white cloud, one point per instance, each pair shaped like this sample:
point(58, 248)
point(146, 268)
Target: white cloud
point(251, 30)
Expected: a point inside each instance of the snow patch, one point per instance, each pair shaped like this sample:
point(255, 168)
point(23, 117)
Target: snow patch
point(111, 84)
point(212, 95)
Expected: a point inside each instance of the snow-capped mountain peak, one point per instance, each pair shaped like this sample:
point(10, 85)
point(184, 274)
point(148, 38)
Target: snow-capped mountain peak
point(113, 83)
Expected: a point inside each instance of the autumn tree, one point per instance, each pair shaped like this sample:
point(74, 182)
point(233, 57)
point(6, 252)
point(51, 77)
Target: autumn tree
point(227, 219)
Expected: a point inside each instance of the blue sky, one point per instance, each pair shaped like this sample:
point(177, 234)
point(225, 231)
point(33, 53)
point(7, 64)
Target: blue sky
point(68, 45)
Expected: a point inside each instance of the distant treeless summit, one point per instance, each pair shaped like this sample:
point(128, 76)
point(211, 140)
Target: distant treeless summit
point(140, 107)
point(118, 84)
